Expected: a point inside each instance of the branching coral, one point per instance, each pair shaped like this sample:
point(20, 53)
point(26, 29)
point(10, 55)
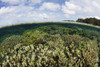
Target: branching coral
point(44, 48)
point(59, 55)
point(33, 36)
point(11, 41)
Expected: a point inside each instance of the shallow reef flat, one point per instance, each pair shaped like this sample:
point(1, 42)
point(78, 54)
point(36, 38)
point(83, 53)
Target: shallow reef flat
point(50, 45)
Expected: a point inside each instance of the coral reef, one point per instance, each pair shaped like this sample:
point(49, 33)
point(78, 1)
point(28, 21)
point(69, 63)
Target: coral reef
point(11, 41)
point(53, 53)
point(50, 47)
point(33, 36)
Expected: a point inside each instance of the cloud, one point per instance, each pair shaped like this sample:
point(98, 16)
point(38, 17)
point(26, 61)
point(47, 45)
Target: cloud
point(14, 2)
point(14, 14)
point(10, 10)
point(5, 10)
point(81, 8)
point(21, 14)
point(50, 6)
point(66, 11)
point(21, 11)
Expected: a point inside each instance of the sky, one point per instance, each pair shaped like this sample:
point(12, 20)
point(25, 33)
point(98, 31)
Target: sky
point(26, 11)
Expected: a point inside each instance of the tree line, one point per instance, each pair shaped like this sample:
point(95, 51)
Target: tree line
point(93, 21)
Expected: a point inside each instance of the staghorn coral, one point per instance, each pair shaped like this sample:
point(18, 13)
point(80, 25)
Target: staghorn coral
point(33, 36)
point(8, 44)
point(11, 41)
point(49, 48)
point(56, 55)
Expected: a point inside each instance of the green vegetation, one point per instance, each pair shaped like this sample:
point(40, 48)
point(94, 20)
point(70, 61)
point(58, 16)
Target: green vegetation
point(51, 46)
point(93, 21)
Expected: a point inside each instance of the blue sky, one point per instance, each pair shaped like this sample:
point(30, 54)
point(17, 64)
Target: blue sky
point(22, 11)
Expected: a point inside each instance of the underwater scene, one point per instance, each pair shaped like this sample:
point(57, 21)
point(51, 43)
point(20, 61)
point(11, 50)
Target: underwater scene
point(50, 45)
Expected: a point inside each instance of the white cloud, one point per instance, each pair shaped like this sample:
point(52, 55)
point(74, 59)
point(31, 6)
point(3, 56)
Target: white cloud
point(81, 8)
point(21, 14)
point(72, 6)
point(50, 6)
point(15, 10)
point(13, 2)
point(5, 10)
point(98, 17)
point(66, 11)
